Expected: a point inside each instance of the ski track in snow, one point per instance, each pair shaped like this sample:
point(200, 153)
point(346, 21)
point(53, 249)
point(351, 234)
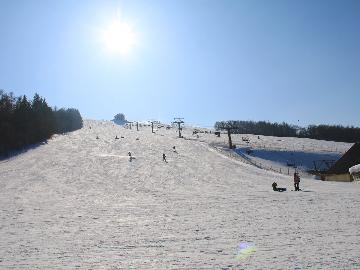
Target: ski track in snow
point(78, 203)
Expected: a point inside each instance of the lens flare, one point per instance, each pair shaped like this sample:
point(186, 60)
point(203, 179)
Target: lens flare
point(245, 250)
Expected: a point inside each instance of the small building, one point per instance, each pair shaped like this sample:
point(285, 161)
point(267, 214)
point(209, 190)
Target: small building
point(340, 170)
point(355, 172)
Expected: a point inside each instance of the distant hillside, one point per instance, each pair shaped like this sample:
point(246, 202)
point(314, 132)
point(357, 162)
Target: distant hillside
point(336, 133)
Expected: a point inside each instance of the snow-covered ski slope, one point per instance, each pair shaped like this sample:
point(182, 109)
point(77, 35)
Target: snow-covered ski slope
point(78, 203)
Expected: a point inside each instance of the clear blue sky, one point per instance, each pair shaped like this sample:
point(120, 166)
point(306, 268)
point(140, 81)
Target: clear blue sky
point(292, 61)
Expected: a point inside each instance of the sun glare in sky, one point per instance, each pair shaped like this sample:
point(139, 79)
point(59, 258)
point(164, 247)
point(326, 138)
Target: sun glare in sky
point(118, 37)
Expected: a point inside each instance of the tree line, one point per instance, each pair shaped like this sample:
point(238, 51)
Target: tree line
point(320, 132)
point(24, 122)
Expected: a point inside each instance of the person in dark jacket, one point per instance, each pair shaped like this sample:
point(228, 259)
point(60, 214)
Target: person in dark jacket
point(296, 181)
point(275, 188)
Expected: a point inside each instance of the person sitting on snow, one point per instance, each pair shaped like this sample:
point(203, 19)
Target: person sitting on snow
point(275, 188)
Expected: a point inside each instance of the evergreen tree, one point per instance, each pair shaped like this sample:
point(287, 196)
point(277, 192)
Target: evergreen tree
point(320, 132)
point(120, 117)
point(24, 122)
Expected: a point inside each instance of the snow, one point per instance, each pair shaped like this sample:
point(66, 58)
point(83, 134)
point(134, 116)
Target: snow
point(354, 169)
point(280, 158)
point(277, 153)
point(78, 203)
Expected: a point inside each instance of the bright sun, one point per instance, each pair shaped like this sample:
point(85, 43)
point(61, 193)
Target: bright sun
point(118, 37)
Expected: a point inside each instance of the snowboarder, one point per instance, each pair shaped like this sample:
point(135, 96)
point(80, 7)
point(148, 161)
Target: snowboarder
point(164, 157)
point(296, 181)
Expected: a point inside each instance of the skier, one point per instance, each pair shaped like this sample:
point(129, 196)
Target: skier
point(174, 149)
point(164, 157)
point(296, 181)
point(130, 157)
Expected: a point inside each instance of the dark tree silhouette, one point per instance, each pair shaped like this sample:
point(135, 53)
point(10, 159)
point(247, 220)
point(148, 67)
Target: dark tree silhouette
point(24, 122)
point(120, 117)
point(320, 132)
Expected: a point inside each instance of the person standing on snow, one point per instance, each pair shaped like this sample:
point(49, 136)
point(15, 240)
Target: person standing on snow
point(296, 181)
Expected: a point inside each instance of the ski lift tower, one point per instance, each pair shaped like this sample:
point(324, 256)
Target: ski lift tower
point(152, 121)
point(228, 128)
point(179, 121)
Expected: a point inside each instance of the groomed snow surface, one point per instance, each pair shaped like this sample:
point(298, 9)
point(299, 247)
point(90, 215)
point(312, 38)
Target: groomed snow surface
point(77, 202)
